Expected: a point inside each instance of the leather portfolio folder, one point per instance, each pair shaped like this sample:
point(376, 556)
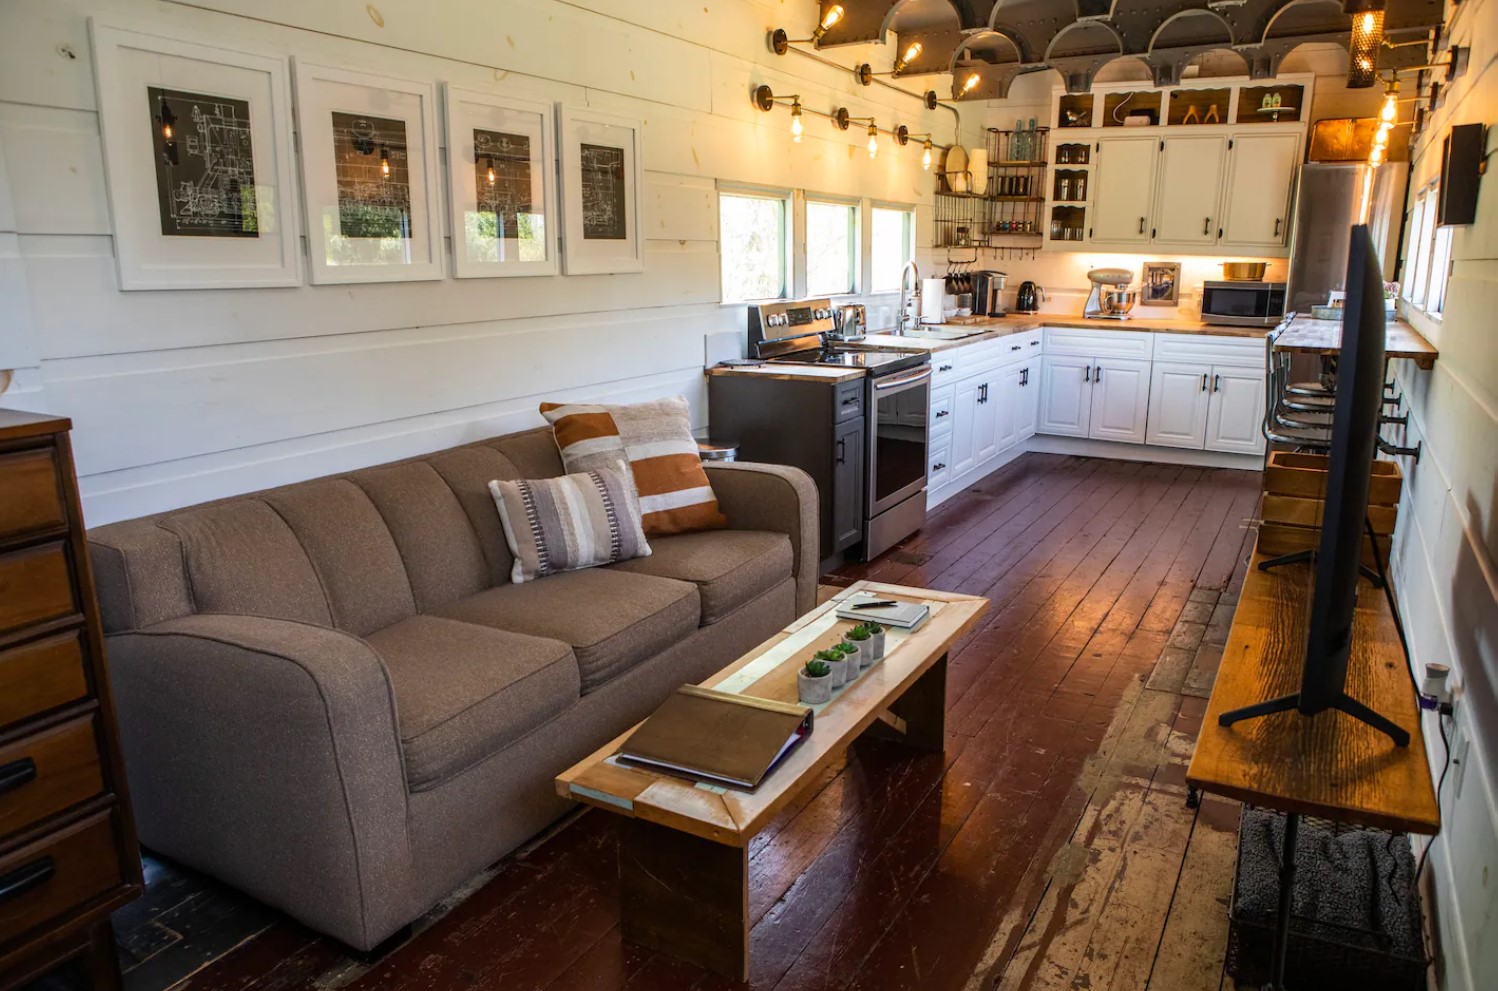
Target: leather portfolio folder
point(717, 737)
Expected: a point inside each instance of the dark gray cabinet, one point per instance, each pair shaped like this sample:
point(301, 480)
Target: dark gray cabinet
point(848, 484)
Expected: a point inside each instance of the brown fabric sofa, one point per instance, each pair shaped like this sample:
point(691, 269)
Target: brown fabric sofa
point(331, 696)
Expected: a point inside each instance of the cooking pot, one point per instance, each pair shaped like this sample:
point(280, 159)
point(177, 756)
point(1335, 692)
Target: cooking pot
point(1244, 271)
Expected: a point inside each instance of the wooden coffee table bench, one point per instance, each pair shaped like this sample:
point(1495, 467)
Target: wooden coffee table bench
point(683, 856)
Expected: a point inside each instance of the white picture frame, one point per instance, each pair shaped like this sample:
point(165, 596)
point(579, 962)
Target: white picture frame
point(173, 110)
point(502, 184)
point(369, 175)
point(596, 239)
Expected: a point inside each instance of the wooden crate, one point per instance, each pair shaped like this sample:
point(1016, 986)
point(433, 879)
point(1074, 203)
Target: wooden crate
point(1278, 538)
point(1298, 511)
point(1304, 475)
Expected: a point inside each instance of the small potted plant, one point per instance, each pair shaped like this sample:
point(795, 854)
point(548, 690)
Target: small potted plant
point(814, 682)
point(860, 637)
point(850, 653)
point(876, 641)
point(834, 659)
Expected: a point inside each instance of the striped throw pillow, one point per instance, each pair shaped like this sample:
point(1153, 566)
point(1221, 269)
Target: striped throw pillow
point(575, 521)
point(654, 440)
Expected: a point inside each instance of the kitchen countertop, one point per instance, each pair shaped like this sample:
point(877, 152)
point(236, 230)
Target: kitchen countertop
point(996, 327)
point(790, 372)
point(1307, 335)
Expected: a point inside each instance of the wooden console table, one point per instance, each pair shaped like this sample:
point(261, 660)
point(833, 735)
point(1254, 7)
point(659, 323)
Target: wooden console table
point(1328, 765)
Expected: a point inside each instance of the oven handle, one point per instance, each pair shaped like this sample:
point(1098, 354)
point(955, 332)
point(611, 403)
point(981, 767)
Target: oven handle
point(880, 385)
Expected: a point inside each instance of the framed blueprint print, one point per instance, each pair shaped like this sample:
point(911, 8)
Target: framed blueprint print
point(369, 175)
point(500, 155)
point(198, 161)
point(602, 167)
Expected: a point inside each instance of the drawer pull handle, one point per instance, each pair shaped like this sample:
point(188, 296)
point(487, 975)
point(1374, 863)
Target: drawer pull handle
point(17, 773)
point(943, 368)
point(851, 401)
point(938, 466)
point(942, 412)
point(23, 879)
point(1014, 347)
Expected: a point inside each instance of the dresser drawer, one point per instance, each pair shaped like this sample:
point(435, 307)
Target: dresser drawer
point(55, 875)
point(47, 772)
point(35, 585)
point(41, 675)
point(33, 498)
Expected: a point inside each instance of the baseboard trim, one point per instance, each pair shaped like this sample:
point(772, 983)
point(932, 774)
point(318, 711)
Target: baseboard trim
point(1087, 447)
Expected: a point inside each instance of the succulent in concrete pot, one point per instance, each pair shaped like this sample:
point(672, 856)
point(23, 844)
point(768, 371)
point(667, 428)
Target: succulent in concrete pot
point(852, 655)
point(835, 660)
point(876, 641)
point(860, 637)
point(814, 682)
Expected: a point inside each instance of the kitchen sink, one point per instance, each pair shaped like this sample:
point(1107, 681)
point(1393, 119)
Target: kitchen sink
point(946, 333)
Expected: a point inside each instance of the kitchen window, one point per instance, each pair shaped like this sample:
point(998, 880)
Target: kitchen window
point(1427, 255)
point(891, 245)
point(753, 234)
point(831, 248)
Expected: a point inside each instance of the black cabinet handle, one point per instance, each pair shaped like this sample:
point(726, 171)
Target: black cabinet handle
point(1204, 381)
point(1024, 376)
point(842, 451)
point(17, 773)
point(1034, 343)
point(1141, 225)
point(942, 412)
point(851, 401)
point(1207, 226)
point(943, 368)
point(26, 877)
point(1277, 221)
point(1097, 375)
point(1216, 382)
point(1087, 374)
point(1014, 347)
point(938, 466)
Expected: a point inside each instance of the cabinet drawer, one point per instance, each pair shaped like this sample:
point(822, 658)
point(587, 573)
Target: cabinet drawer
point(849, 400)
point(940, 467)
point(1099, 343)
point(945, 366)
point(35, 585)
point(47, 772)
point(1034, 341)
point(941, 409)
point(58, 874)
point(42, 675)
point(1210, 349)
point(33, 499)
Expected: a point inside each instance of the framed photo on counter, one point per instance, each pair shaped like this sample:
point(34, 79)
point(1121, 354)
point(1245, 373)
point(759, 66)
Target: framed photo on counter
point(500, 152)
point(602, 172)
point(198, 161)
point(369, 174)
point(1160, 284)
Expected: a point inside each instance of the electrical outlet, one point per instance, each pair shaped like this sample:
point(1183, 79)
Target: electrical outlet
point(1459, 747)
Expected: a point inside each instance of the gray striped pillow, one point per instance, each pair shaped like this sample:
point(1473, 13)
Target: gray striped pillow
point(569, 522)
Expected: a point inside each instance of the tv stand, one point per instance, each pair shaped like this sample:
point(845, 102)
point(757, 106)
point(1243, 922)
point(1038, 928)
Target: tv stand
point(1309, 557)
point(1344, 703)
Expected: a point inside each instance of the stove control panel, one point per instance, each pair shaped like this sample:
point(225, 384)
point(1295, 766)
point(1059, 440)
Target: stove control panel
point(788, 319)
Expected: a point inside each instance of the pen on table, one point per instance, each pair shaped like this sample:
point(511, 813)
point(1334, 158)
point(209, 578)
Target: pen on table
point(874, 605)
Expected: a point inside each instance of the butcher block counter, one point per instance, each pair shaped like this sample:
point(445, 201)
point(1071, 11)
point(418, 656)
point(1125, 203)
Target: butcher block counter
point(995, 327)
point(1306, 335)
point(789, 372)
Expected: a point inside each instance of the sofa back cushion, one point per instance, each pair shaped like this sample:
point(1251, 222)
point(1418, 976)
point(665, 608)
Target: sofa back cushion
point(468, 472)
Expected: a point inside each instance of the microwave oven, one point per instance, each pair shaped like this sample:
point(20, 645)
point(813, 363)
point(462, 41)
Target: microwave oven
point(1243, 304)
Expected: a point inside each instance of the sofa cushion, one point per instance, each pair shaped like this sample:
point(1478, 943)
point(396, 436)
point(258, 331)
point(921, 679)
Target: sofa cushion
point(463, 692)
point(468, 472)
point(729, 567)
point(612, 619)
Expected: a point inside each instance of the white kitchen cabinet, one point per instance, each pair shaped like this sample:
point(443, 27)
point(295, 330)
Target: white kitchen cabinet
point(1065, 395)
point(1120, 400)
point(1256, 200)
point(1236, 413)
point(1123, 187)
point(1179, 397)
point(1027, 406)
point(966, 411)
point(986, 419)
point(1190, 186)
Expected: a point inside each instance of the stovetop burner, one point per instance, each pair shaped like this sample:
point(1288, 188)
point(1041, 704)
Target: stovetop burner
point(874, 362)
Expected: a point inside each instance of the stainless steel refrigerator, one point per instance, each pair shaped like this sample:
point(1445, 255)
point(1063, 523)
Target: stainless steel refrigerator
point(1329, 199)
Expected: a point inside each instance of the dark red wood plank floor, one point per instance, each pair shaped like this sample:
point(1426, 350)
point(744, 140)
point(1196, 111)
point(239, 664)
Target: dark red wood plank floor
point(1049, 847)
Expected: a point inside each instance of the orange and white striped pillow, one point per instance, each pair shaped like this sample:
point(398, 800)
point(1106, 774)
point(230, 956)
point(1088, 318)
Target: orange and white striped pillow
point(654, 440)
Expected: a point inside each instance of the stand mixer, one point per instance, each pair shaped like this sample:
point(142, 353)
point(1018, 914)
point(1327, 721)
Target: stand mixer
point(1111, 298)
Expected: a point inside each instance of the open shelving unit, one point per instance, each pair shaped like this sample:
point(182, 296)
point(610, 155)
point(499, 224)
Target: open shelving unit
point(1001, 207)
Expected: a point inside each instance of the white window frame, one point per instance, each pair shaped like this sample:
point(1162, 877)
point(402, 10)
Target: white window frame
point(1427, 257)
point(868, 247)
point(856, 255)
point(787, 198)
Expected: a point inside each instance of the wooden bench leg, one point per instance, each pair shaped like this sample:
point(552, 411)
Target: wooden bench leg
point(923, 710)
point(685, 896)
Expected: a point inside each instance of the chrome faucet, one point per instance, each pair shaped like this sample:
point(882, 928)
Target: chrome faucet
point(912, 298)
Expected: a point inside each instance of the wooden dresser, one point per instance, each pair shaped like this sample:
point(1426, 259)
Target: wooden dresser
point(68, 853)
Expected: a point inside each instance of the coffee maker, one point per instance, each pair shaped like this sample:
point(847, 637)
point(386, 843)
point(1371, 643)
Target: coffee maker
point(988, 293)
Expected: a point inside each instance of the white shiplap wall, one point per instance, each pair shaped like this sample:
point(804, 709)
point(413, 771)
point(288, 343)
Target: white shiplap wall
point(1445, 560)
point(184, 396)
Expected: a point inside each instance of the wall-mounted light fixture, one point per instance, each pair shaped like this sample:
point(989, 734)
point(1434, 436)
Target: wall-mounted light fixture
point(865, 73)
point(780, 42)
point(765, 99)
point(971, 82)
point(1367, 38)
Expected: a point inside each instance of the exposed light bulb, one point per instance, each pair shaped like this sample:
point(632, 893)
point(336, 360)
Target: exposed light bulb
point(490, 174)
point(166, 131)
point(926, 156)
point(970, 83)
point(833, 15)
point(908, 57)
point(796, 127)
point(385, 162)
point(1390, 109)
point(1376, 157)
point(873, 140)
point(1381, 137)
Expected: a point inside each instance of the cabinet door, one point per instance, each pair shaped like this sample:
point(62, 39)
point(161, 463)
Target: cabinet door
point(1256, 203)
point(1235, 415)
point(1191, 170)
point(986, 422)
point(1120, 399)
point(1065, 395)
point(1027, 410)
point(1123, 189)
point(1178, 404)
point(847, 484)
point(966, 411)
point(1004, 398)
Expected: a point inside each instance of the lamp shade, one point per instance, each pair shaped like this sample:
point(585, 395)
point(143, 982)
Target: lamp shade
point(1362, 48)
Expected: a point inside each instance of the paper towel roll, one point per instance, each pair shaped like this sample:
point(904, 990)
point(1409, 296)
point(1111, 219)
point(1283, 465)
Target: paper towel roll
point(933, 298)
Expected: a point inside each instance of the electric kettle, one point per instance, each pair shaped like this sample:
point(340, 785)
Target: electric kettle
point(1029, 298)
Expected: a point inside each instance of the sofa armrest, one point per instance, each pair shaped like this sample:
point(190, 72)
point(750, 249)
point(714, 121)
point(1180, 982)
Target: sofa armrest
point(777, 498)
point(266, 752)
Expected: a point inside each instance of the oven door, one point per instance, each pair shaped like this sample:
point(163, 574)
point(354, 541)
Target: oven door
point(897, 453)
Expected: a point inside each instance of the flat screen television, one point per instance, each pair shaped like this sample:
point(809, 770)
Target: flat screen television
point(1354, 441)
